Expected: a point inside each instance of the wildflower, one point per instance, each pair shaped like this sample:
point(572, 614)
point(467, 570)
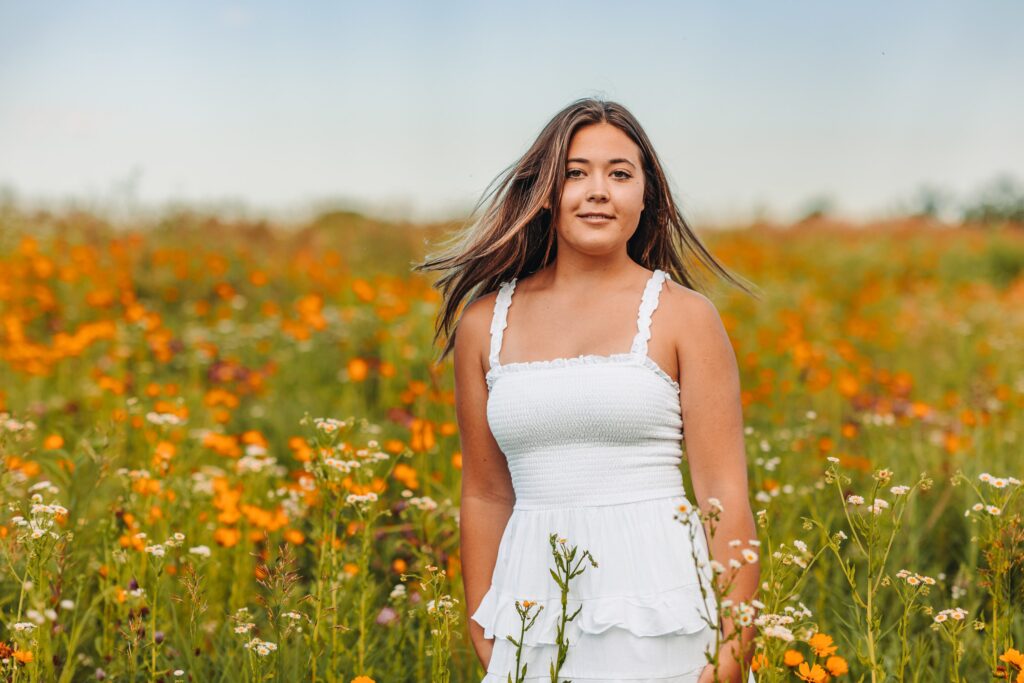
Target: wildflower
point(778, 631)
point(715, 503)
point(1014, 657)
point(749, 555)
point(832, 458)
point(426, 503)
point(836, 665)
point(814, 674)
point(201, 550)
point(24, 626)
point(357, 499)
point(822, 645)
point(993, 510)
point(878, 506)
point(155, 550)
point(328, 425)
point(262, 647)
point(792, 658)
point(386, 616)
point(24, 656)
point(883, 475)
point(985, 477)
point(899, 490)
point(363, 679)
point(957, 613)
point(855, 500)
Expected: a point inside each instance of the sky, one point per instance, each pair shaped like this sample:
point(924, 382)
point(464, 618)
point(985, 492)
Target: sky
point(409, 109)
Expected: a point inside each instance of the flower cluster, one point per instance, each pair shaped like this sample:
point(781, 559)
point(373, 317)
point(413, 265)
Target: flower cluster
point(261, 647)
point(998, 482)
point(957, 613)
point(361, 499)
point(914, 579)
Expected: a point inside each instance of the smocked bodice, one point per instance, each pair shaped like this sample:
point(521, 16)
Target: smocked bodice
point(587, 430)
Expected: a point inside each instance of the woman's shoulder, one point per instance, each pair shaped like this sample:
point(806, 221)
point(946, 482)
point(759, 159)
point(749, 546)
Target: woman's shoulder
point(688, 310)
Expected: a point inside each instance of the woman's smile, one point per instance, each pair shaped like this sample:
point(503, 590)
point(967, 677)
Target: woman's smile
point(595, 217)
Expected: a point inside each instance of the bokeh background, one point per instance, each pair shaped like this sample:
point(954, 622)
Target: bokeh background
point(228, 448)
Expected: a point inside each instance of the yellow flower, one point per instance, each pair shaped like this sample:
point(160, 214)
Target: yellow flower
point(822, 645)
point(792, 658)
point(836, 665)
point(814, 674)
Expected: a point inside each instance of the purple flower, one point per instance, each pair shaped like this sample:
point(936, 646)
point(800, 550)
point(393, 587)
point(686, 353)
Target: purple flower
point(386, 616)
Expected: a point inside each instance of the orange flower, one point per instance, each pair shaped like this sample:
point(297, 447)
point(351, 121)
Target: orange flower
point(227, 536)
point(358, 369)
point(23, 656)
point(758, 662)
point(836, 665)
point(1014, 657)
point(822, 645)
point(792, 658)
point(363, 679)
point(53, 442)
point(814, 674)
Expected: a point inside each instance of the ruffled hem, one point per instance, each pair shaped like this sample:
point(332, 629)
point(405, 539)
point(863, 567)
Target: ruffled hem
point(689, 677)
point(677, 611)
point(647, 579)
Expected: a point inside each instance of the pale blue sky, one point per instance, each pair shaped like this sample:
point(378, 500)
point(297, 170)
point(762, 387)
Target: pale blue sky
point(412, 107)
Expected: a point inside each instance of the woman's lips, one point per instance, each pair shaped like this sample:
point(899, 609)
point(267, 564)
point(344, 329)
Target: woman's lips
point(594, 218)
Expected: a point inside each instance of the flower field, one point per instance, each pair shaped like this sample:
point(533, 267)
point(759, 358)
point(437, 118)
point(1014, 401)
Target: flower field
point(227, 453)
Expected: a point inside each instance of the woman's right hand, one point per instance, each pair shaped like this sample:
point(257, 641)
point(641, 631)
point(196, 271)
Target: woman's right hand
point(484, 649)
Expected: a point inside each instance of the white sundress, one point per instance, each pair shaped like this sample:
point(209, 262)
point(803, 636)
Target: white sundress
point(593, 445)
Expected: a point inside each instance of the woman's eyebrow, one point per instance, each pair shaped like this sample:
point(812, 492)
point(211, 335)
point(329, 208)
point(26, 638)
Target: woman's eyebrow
point(610, 161)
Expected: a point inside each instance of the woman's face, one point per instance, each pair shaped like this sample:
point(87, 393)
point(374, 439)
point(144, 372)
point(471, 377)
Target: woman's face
point(603, 193)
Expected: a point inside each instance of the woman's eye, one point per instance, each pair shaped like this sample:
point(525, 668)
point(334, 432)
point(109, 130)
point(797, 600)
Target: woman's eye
point(625, 174)
point(569, 173)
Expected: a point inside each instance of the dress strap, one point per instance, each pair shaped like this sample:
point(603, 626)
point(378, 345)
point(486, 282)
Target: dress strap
point(499, 319)
point(648, 302)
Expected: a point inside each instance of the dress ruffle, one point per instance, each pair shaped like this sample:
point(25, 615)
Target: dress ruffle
point(646, 581)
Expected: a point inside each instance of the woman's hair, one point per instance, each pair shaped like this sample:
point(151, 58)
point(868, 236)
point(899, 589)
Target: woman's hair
point(515, 234)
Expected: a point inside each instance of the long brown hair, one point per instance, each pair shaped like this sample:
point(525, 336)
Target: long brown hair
point(515, 235)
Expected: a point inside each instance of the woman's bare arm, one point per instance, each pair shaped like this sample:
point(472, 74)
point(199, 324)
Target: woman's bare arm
point(713, 428)
point(487, 494)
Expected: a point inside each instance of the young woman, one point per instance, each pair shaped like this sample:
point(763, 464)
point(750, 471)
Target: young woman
point(584, 350)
